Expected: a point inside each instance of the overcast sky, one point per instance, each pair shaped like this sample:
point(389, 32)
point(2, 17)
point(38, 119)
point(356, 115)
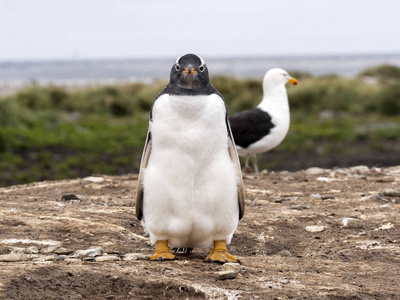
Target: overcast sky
point(84, 29)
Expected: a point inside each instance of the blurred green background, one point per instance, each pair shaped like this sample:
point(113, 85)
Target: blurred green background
point(54, 132)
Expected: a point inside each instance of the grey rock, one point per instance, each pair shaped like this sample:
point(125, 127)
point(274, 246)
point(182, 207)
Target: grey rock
point(230, 266)
point(134, 256)
point(327, 196)
point(93, 179)
point(61, 257)
point(350, 222)
point(282, 200)
point(385, 179)
point(389, 192)
point(12, 257)
point(72, 260)
point(230, 274)
point(69, 197)
point(49, 250)
point(40, 258)
point(315, 228)
point(359, 169)
point(31, 250)
point(62, 251)
point(316, 171)
point(300, 207)
point(107, 258)
point(378, 198)
point(89, 253)
point(284, 253)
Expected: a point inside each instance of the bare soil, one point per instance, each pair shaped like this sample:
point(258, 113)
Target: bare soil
point(281, 258)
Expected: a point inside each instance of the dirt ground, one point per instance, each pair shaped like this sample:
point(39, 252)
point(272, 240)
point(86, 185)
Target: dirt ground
point(295, 241)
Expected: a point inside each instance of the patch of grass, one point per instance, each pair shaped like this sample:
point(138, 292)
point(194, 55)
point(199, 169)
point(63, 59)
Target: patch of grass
point(383, 72)
point(54, 133)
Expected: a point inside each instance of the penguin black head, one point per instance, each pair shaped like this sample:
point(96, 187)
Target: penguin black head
point(190, 72)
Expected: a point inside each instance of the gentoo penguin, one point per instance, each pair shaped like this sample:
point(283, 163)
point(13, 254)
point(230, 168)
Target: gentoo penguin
point(190, 190)
point(262, 128)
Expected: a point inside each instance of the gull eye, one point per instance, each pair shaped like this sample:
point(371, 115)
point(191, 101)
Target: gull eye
point(201, 69)
point(177, 67)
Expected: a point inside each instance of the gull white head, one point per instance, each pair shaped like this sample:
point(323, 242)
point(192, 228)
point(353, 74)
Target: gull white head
point(277, 77)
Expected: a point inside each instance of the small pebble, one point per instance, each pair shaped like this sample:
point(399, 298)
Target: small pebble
point(31, 250)
point(67, 197)
point(72, 260)
point(62, 250)
point(378, 198)
point(282, 200)
point(49, 250)
point(44, 258)
point(12, 257)
point(359, 169)
point(230, 274)
point(230, 266)
point(390, 192)
point(327, 196)
point(107, 258)
point(134, 256)
point(316, 171)
point(350, 222)
point(315, 228)
point(61, 257)
point(93, 179)
point(300, 207)
point(89, 253)
point(385, 179)
point(284, 253)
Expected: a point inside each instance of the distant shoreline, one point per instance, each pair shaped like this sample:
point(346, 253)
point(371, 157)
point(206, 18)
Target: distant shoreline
point(92, 72)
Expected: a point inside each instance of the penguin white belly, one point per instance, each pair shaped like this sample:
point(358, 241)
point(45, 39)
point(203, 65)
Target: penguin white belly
point(190, 183)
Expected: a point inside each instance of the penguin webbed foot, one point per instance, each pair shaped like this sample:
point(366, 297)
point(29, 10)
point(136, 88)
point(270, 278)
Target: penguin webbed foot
point(162, 252)
point(220, 254)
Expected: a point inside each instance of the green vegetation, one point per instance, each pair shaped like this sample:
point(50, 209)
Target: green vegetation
point(54, 132)
point(383, 73)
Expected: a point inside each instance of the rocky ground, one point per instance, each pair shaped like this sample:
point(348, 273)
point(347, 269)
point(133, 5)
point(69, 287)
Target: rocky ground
point(313, 234)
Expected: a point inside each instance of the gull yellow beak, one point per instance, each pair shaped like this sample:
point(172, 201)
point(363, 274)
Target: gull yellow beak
point(293, 81)
point(192, 70)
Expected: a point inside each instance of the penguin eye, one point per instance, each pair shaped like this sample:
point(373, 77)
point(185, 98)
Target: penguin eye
point(201, 69)
point(177, 67)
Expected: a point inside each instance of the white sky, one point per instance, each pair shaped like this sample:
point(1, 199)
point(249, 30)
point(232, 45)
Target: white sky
point(65, 29)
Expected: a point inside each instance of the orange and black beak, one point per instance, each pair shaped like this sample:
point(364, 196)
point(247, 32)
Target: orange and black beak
point(293, 81)
point(189, 70)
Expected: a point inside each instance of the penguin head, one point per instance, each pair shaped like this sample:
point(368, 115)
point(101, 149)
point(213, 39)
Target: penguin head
point(189, 72)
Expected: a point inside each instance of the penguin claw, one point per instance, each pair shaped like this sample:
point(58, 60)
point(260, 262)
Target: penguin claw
point(162, 252)
point(221, 257)
point(220, 254)
point(162, 257)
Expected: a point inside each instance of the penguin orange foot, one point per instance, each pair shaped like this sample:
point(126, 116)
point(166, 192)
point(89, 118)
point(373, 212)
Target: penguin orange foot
point(162, 252)
point(220, 254)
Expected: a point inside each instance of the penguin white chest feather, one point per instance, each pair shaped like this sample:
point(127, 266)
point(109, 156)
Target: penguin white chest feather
point(190, 183)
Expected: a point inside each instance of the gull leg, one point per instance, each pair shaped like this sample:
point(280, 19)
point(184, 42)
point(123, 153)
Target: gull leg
point(220, 254)
point(162, 252)
point(255, 164)
point(246, 163)
point(247, 168)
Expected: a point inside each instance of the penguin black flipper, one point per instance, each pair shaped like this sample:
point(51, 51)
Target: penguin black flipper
point(235, 159)
point(143, 165)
